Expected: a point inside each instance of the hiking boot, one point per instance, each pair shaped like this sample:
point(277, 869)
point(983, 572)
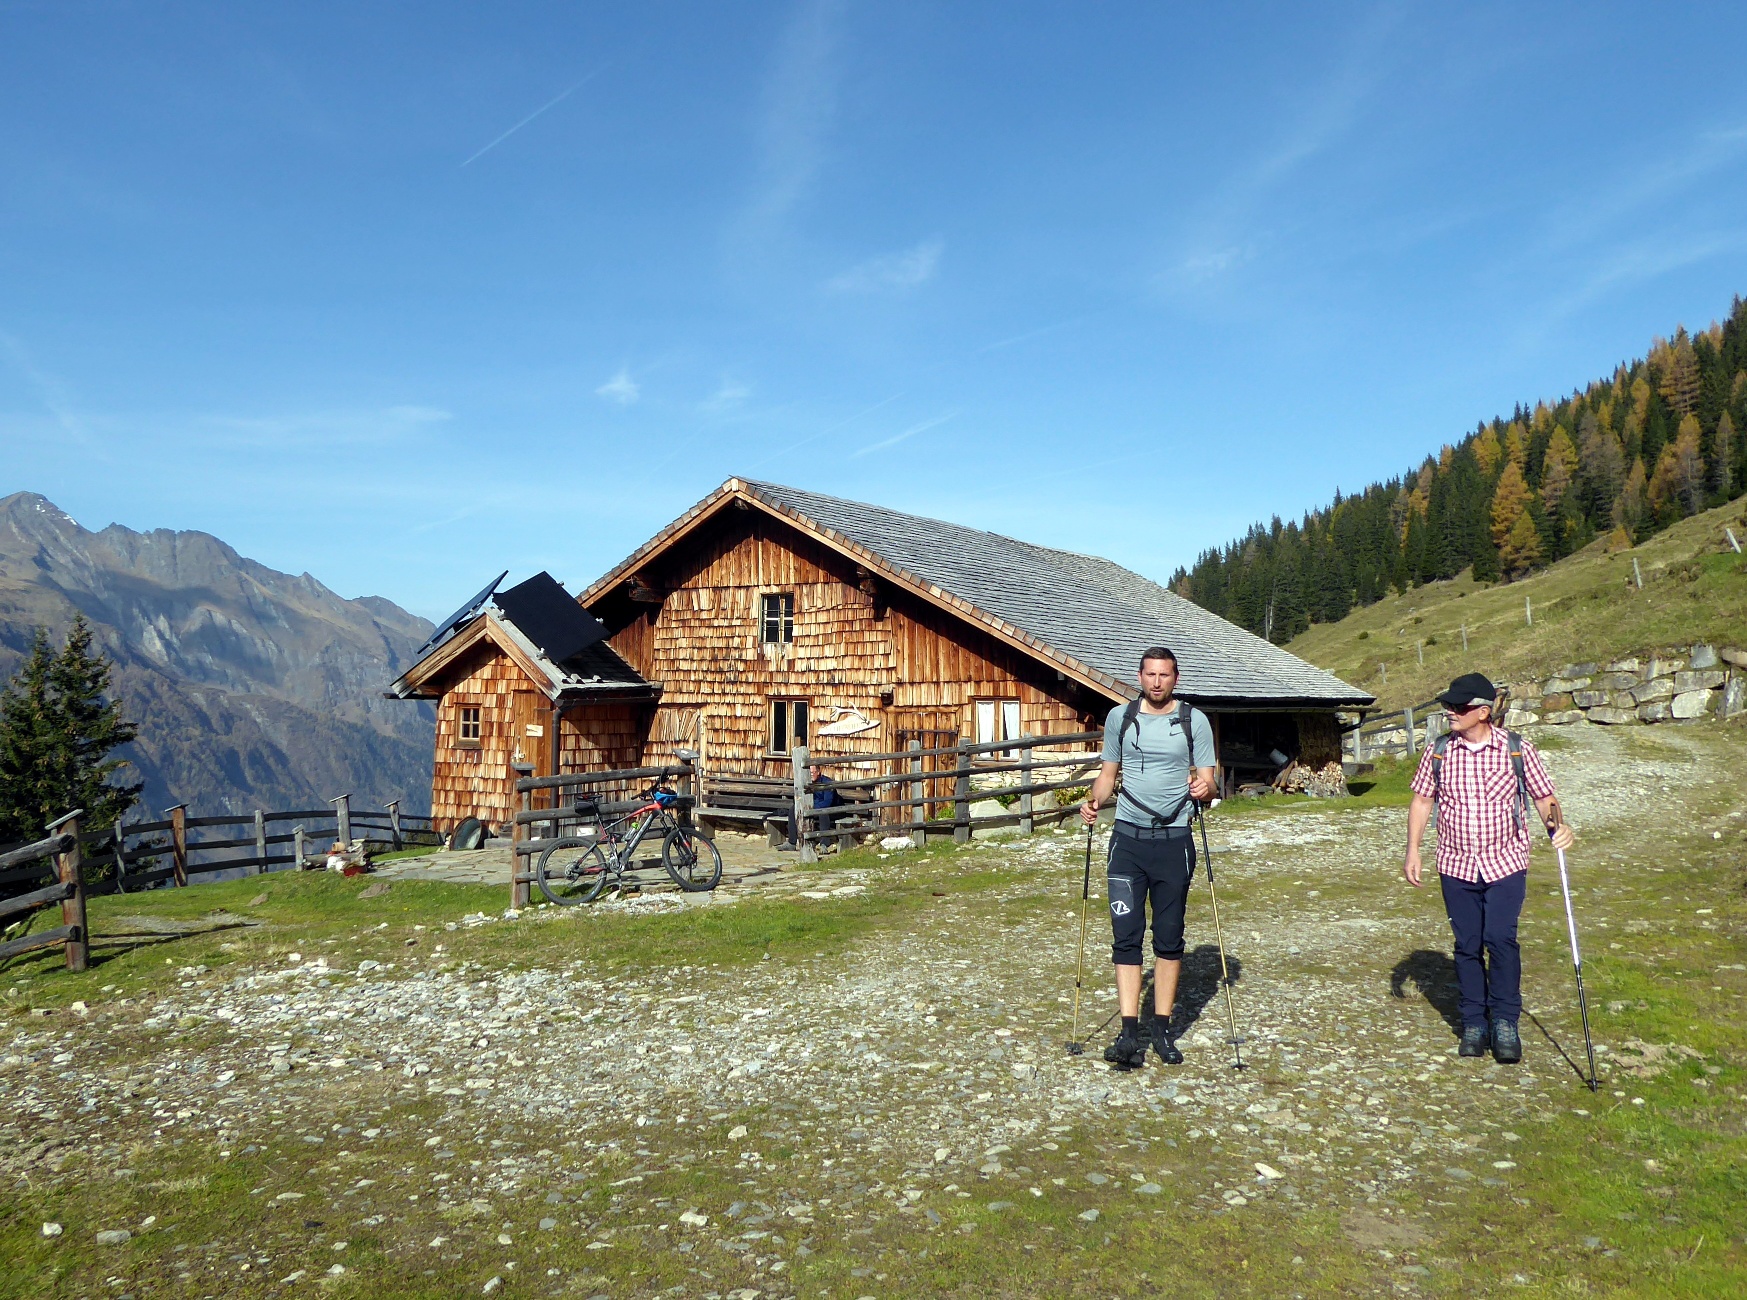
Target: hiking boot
point(1128, 1052)
point(1474, 1039)
point(1507, 1044)
point(1165, 1042)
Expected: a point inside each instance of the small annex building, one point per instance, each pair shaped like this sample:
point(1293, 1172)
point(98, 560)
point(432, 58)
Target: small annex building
point(765, 618)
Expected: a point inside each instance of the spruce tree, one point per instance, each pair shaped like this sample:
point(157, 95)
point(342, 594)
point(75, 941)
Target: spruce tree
point(58, 738)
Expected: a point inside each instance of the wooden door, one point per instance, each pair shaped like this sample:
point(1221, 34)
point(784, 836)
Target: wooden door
point(531, 738)
point(935, 729)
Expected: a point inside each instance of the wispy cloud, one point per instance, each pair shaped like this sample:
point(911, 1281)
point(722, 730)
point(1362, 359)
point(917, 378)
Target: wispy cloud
point(727, 397)
point(621, 388)
point(896, 438)
point(549, 104)
point(50, 391)
point(328, 428)
point(799, 102)
point(898, 271)
point(814, 437)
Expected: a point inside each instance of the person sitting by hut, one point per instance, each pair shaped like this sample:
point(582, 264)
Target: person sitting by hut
point(826, 797)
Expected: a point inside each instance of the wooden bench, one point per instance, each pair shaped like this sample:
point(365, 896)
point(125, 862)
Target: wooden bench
point(769, 802)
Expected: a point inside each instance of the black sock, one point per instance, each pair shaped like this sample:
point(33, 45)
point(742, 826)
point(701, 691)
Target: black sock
point(1131, 1024)
point(1161, 1020)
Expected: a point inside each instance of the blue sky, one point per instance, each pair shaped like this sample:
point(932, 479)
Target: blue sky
point(402, 295)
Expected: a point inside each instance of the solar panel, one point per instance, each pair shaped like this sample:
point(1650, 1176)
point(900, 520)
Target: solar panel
point(550, 617)
point(461, 615)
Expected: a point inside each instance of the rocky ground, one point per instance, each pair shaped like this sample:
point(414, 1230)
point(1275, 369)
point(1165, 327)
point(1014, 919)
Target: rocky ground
point(513, 1104)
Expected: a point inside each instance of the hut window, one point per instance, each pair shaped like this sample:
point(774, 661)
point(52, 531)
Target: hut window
point(998, 720)
point(468, 735)
point(777, 614)
point(788, 725)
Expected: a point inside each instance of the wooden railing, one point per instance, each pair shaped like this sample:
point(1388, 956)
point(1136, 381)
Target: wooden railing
point(613, 793)
point(62, 848)
point(179, 847)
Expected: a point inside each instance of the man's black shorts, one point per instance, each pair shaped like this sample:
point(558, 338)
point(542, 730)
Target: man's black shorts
point(1149, 870)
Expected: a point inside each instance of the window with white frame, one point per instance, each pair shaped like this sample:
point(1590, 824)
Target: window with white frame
point(997, 720)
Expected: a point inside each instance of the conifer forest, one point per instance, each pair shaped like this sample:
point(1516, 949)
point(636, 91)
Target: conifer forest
point(1663, 437)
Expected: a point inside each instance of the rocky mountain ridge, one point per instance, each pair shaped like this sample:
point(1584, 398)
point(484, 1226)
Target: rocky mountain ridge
point(252, 688)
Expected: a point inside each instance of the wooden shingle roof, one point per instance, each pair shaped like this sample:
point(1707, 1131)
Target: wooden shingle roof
point(1087, 616)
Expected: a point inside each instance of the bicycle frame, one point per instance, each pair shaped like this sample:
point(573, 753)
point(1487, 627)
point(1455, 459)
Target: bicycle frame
point(621, 848)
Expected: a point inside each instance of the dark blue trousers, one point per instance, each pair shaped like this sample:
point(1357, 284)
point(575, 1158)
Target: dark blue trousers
point(1485, 916)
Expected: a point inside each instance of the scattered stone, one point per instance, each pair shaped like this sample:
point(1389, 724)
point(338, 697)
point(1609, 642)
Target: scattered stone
point(51, 1229)
point(1703, 656)
point(256, 901)
point(1090, 1216)
point(692, 1219)
point(546, 1225)
point(1149, 1189)
point(374, 890)
point(1268, 1171)
point(1731, 655)
point(114, 1237)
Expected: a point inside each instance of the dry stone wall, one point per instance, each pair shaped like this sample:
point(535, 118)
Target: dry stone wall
point(1697, 682)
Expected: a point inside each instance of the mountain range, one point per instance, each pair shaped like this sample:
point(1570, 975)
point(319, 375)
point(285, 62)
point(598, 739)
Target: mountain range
point(251, 688)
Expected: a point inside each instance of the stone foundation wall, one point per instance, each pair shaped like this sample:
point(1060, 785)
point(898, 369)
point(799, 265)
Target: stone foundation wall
point(1696, 682)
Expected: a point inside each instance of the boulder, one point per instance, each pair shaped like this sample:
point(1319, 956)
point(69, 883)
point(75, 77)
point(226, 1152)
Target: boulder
point(1663, 666)
point(1655, 711)
point(1610, 716)
point(1563, 717)
point(1556, 702)
point(1692, 704)
point(1660, 688)
point(1730, 655)
point(1578, 670)
point(1564, 685)
point(1615, 682)
point(1633, 666)
point(1734, 697)
point(1520, 718)
point(1703, 656)
point(1708, 680)
point(1622, 700)
point(1590, 699)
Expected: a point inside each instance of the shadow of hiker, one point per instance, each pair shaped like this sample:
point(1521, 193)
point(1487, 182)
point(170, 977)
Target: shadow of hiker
point(1434, 975)
point(1199, 983)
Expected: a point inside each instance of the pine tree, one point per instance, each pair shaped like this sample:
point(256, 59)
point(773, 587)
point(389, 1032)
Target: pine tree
point(1558, 468)
point(1629, 512)
point(1678, 368)
point(1520, 550)
point(58, 737)
point(1677, 488)
point(1602, 467)
point(1723, 451)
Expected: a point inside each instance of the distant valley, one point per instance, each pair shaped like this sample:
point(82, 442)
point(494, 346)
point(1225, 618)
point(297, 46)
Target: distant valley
point(252, 688)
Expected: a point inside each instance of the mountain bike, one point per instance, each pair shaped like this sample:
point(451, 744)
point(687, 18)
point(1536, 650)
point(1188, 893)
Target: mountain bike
point(568, 876)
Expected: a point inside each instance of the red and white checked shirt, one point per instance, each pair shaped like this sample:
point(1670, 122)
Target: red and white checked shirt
point(1479, 837)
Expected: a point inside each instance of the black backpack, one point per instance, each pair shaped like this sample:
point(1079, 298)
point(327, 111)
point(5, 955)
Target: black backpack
point(1185, 716)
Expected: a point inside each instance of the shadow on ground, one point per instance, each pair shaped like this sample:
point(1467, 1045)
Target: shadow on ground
point(1434, 975)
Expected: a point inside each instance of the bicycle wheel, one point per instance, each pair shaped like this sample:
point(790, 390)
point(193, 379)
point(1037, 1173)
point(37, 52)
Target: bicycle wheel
point(568, 877)
point(694, 862)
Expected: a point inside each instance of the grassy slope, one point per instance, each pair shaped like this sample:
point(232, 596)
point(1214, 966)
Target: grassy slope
point(1695, 589)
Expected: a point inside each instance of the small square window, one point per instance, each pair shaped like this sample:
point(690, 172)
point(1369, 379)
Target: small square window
point(777, 617)
point(468, 733)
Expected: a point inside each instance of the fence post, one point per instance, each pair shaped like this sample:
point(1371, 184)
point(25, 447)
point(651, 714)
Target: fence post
point(120, 858)
point(918, 792)
point(1359, 740)
point(1529, 610)
point(343, 818)
point(683, 787)
point(394, 824)
point(1025, 798)
point(179, 843)
point(70, 871)
point(297, 848)
point(1407, 717)
point(961, 795)
point(260, 842)
point(519, 875)
point(808, 851)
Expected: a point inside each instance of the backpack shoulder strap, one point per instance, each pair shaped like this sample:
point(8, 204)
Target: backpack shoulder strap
point(1129, 716)
point(1439, 747)
point(1515, 743)
point(1186, 722)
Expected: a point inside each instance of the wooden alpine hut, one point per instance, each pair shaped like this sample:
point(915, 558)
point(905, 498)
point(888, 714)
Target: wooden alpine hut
point(765, 617)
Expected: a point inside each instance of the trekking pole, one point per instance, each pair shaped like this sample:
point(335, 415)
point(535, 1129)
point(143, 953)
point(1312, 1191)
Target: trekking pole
point(1219, 937)
point(1577, 965)
point(1076, 1045)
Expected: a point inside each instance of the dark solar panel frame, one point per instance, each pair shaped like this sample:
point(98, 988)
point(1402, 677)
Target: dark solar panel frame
point(549, 616)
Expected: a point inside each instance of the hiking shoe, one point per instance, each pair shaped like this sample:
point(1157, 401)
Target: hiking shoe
point(1507, 1044)
point(1165, 1042)
point(1474, 1038)
point(1128, 1052)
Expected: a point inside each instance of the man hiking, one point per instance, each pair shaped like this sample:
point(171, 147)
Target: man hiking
point(1481, 779)
point(1164, 750)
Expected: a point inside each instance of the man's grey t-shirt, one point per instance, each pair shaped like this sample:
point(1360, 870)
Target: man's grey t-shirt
point(1155, 761)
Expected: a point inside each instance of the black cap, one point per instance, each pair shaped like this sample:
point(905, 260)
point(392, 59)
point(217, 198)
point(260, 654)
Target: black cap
point(1468, 690)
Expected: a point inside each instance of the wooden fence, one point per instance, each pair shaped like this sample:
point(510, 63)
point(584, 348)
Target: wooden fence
point(902, 809)
point(62, 849)
point(1405, 733)
point(179, 847)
